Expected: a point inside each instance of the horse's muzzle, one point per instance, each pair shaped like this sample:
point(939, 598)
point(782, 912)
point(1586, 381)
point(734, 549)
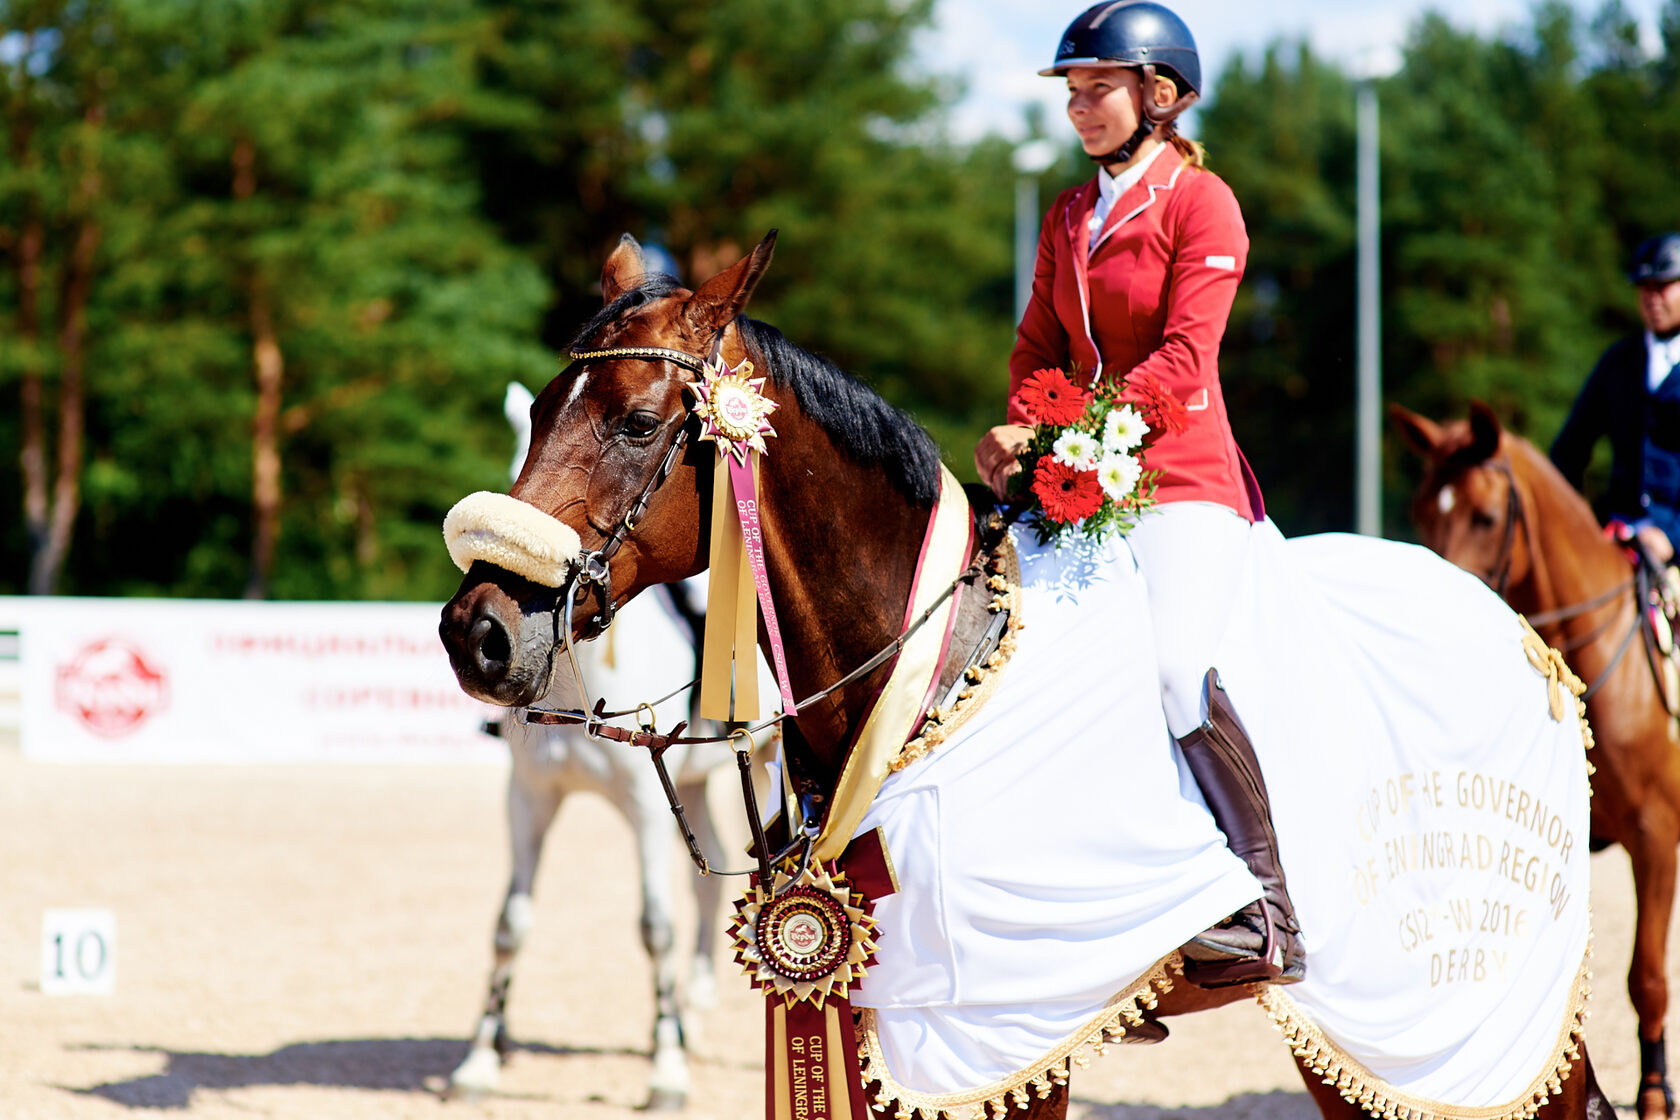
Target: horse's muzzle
point(499, 648)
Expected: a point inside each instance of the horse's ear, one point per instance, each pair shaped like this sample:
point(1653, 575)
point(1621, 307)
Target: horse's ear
point(725, 295)
point(624, 271)
point(1421, 434)
point(1484, 431)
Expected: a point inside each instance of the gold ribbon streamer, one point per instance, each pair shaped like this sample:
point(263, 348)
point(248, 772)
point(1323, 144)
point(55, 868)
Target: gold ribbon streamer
point(728, 659)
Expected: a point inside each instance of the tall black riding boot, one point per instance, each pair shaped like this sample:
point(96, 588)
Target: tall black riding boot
point(1262, 941)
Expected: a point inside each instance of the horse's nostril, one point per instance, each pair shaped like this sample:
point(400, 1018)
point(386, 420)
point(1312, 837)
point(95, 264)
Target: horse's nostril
point(490, 646)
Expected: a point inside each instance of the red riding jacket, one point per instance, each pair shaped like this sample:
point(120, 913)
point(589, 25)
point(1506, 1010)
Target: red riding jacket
point(1153, 297)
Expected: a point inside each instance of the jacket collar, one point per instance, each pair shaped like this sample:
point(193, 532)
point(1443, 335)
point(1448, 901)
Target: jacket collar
point(1162, 175)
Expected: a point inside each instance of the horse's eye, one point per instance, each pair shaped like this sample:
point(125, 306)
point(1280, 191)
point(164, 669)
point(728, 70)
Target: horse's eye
point(1482, 520)
point(640, 424)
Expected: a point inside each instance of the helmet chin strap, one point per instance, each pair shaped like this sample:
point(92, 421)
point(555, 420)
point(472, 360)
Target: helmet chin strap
point(1126, 151)
point(1153, 115)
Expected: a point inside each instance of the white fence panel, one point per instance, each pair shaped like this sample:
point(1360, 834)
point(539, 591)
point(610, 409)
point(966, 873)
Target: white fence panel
point(180, 680)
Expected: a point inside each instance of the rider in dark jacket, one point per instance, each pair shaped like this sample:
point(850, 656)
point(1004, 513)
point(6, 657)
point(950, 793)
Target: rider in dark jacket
point(1633, 396)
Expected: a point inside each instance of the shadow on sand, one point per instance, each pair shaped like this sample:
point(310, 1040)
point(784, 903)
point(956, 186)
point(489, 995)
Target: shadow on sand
point(1275, 1105)
point(411, 1065)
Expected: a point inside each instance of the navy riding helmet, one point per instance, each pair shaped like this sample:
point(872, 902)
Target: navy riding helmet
point(1657, 260)
point(1130, 33)
point(1140, 34)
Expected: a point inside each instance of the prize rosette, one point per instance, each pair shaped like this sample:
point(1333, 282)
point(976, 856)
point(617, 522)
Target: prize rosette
point(804, 949)
point(732, 407)
point(811, 942)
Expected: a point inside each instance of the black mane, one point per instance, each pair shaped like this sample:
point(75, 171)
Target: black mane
point(866, 427)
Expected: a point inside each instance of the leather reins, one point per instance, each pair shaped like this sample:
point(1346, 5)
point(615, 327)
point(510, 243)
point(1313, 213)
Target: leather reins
point(1515, 515)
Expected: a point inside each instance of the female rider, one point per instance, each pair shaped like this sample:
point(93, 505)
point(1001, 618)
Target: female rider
point(1136, 272)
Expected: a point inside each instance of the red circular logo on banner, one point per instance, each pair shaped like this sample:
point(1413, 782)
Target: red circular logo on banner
point(111, 687)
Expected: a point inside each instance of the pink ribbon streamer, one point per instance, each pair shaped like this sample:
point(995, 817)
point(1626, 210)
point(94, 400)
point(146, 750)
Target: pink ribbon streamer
point(745, 488)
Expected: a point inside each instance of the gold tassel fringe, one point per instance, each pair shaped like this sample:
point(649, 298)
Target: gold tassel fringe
point(1004, 584)
point(1360, 1086)
point(1001, 1097)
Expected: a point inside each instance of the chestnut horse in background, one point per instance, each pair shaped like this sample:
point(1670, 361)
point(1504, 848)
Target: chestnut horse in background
point(845, 501)
point(1493, 504)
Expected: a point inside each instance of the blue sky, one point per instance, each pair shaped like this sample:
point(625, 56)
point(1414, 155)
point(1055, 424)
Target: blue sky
point(997, 46)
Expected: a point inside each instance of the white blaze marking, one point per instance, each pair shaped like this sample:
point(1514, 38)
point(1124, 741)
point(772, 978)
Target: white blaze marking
point(577, 389)
point(1446, 499)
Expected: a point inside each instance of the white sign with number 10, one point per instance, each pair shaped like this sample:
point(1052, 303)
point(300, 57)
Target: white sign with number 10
point(78, 952)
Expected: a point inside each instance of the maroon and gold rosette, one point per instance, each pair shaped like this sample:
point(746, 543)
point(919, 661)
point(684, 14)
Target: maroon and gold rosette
point(805, 948)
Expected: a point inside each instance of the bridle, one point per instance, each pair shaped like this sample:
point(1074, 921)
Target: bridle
point(593, 568)
point(1498, 577)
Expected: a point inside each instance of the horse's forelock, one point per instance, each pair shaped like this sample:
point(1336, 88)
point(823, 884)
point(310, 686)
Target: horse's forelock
point(652, 289)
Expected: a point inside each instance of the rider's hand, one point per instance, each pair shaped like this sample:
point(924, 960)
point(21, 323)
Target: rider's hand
point(996, 454)
point(1656, 542)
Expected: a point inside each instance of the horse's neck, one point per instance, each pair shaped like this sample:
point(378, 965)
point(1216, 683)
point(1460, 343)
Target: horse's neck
point(1570, 562)
point(841, 545)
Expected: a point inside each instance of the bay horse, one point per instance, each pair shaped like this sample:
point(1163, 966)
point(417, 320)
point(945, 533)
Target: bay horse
point(1493, 504)
point(843, 504)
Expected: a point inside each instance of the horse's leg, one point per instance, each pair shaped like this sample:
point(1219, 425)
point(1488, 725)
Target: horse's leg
point(1052, 1107)
point(651, 820)
point(1328, 1098)
point(531, 808)
point(1580, 1098)
point(1653, 856)
point(708, 895)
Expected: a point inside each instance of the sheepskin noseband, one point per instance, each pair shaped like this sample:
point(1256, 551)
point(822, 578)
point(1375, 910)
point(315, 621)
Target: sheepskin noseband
point(513, 535)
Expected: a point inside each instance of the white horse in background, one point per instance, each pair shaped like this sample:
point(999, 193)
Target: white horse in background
point(648, 652)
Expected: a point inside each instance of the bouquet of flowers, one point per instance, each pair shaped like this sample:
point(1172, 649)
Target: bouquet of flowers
point(1084, 468)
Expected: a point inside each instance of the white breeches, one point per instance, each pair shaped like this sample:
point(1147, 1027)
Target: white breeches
point(1191, 555)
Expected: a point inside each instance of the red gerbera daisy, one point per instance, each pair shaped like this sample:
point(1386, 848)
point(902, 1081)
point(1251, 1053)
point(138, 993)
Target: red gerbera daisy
point(1048, 397)
point(1066, 494)
point(1164, 413)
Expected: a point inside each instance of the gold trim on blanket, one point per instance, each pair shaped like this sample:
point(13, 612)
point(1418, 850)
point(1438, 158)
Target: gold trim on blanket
point(999, 1098)
point(899, 705)
point(1377, 1097)
point(1561, 681)
point(1004, 584)
point(1316, 1052)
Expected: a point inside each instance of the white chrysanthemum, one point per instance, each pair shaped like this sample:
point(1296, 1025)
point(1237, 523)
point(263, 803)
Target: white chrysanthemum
point(1123, 429)
point(1077, 449)
point(1118, 474)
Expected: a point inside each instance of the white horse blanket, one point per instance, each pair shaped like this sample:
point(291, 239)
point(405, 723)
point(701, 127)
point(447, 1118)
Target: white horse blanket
point(1431, 811)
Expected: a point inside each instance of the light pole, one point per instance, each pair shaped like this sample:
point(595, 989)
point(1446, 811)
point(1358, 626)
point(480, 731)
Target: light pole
point(1031, 160)
point(1372, 67)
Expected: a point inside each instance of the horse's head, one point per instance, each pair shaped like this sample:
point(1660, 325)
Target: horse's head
point(608, 501)
point(1468, 507)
